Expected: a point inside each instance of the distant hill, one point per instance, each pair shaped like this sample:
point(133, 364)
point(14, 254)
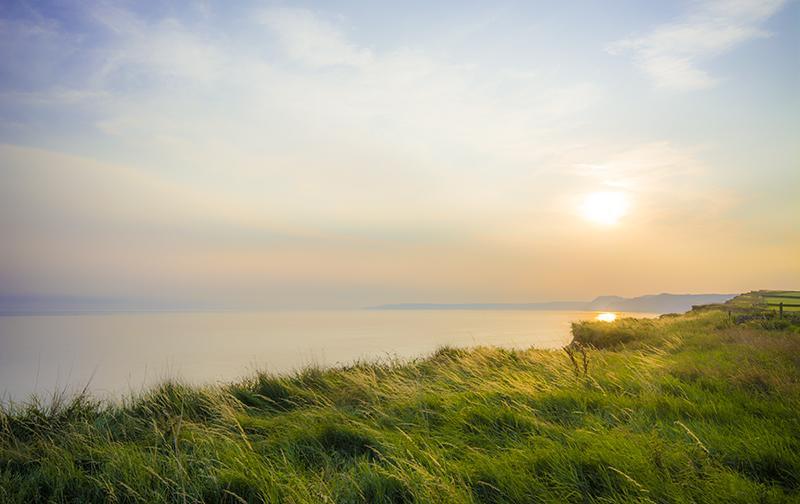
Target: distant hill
point(657, 303)
point(660, 303)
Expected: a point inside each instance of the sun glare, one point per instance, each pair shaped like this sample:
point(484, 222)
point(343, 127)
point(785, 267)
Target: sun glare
point(606, 317)
point(605, 207)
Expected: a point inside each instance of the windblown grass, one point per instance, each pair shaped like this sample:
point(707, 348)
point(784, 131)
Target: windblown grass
point(690, 408)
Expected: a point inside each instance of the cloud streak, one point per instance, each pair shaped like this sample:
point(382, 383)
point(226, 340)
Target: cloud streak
point(400, 122)
point(672, 54)
point(311, 40)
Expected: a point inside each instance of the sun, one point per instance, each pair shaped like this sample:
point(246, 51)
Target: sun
point(605, 207)
point(606, 317)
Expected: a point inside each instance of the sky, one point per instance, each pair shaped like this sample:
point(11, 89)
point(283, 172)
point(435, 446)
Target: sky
point(343, 154)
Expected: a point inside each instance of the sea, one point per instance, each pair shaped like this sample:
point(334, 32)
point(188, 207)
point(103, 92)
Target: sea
point(116, 355)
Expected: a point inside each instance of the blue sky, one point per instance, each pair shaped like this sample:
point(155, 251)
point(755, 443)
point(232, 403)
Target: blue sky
point(350, 153)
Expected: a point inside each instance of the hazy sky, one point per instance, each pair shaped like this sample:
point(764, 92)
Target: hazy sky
point(346, 153)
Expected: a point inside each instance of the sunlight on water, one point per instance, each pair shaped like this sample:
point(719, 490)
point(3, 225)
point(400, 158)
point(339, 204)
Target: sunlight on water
point(119, 353)
point(606, 317)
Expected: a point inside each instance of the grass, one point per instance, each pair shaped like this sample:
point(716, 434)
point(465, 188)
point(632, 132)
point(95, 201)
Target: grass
point(791, 300)
point(684, 408)
point(766, 300)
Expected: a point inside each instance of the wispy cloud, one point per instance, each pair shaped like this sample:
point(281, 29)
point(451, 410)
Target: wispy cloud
point(164, 49)
point(672, 54)
point(647, 165)
point(416, 118)
point(312, 40)
point(668, 182)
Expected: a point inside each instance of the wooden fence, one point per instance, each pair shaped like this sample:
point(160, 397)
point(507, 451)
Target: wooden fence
point(781, 305)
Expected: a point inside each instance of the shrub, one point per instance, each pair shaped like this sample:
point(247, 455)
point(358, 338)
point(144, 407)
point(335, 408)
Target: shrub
point(613, 335)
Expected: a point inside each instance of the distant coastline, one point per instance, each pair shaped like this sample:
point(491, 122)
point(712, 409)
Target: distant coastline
point(62, 305)
point(656, 303)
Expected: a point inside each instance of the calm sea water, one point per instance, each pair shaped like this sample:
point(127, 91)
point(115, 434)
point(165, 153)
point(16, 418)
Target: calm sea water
point(116, 354)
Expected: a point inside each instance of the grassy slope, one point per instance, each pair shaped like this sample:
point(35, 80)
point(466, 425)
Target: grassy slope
point(760, 298)
point(789, 298)
point(690, 408)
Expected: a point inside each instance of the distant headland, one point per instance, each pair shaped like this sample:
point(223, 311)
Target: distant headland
point(654, 303)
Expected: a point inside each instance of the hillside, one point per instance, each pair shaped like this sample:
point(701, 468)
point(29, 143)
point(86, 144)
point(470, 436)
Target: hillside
point(700, 407)
point(658, 303)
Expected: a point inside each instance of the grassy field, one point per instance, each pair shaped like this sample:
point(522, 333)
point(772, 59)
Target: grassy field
point(787, 297)
point(701, 407)
point(767, 299)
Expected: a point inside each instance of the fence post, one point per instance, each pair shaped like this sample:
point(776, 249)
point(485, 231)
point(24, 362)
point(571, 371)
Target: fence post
point(780, 310)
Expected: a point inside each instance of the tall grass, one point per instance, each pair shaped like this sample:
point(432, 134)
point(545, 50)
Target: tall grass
point(691, 408)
